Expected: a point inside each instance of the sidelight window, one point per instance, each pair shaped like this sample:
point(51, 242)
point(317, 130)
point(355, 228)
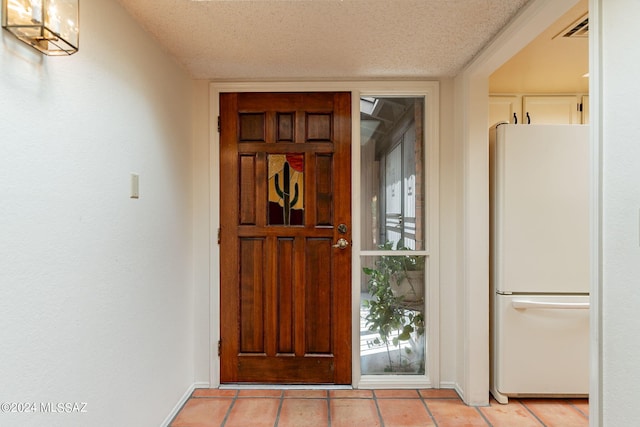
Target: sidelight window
point(394, 259)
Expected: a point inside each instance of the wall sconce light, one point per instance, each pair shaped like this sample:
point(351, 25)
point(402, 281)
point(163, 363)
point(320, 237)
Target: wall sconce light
point(51, 26)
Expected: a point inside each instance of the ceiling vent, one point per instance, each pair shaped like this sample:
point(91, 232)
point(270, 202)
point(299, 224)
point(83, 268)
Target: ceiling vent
point(579, 28)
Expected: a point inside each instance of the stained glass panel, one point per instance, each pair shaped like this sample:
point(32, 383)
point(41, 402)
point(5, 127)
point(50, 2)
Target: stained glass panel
point(286, 189)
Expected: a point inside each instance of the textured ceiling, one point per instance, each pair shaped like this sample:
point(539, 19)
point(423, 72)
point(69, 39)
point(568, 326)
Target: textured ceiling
point(322, 39)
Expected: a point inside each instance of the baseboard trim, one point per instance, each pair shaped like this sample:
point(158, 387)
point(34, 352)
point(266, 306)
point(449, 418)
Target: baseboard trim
point(178, 406)
point(458, 389)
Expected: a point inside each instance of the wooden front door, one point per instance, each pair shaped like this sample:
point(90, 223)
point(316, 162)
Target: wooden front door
point(285, 196)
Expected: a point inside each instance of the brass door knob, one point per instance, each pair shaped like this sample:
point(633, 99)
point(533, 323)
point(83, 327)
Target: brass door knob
point(341, 244)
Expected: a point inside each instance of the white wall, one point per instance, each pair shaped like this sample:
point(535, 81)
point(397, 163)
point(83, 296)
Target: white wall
point(203, 237)
point(449, 235)
point(618, 88)
point(96, 290)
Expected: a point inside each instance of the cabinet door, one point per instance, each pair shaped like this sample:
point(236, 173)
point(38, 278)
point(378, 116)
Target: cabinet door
point(503, 108)
point(550, 109)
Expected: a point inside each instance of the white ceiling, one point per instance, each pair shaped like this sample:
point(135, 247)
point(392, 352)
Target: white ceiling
point(322, 39)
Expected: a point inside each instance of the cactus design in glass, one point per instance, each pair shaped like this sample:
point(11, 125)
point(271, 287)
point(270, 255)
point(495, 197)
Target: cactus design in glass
point(286, 189)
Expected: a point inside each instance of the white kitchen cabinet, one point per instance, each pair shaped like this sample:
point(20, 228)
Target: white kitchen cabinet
point(551, 110)
point(541, 109)
point(505, 108)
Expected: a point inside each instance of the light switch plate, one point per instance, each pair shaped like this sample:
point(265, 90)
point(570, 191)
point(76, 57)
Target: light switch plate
point(135, 191)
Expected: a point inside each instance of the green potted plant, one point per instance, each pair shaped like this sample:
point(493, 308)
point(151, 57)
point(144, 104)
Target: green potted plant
point(407, 276)
point(394, 314)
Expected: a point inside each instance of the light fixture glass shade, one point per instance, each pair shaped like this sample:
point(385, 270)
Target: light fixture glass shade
point(51, 26)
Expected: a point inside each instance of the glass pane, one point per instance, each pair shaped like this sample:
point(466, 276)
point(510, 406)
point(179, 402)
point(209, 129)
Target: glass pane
point(392, 332)
point(286, 189)
point(392, 172)
point(392, 317)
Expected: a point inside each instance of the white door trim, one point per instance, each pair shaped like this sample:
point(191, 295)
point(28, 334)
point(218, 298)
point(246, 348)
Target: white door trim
point(386, 88)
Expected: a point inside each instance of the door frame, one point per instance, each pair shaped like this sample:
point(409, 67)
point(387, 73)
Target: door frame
point(428, 89)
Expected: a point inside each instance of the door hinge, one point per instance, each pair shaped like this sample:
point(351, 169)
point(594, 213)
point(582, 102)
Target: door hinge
point(219, 124)
point(219, 236)
point(219, 348)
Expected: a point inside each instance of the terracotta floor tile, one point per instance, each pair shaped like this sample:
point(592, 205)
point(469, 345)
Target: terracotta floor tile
point(304, 412)
point(202, 412)
point(512, 414)
point(581, 404)
point(442, 393)
point(342, 394)
point(307, 394)
point(404, 413)
point(260, 393)
point(355, 408)
point(213, 392)
point(354, 412)
point(261, 412)
point(385, 394)
point(556, 412)
point(450, 413)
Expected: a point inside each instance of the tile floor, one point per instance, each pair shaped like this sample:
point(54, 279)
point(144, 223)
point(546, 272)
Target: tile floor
point(370, 408)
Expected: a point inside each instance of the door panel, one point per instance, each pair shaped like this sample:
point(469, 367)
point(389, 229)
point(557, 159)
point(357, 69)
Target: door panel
point(285, 187)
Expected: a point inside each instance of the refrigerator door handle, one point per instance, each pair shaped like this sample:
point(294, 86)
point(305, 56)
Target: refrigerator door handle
point(527, 303)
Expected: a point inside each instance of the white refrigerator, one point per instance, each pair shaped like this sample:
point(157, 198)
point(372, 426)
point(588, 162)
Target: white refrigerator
point(539, 190)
